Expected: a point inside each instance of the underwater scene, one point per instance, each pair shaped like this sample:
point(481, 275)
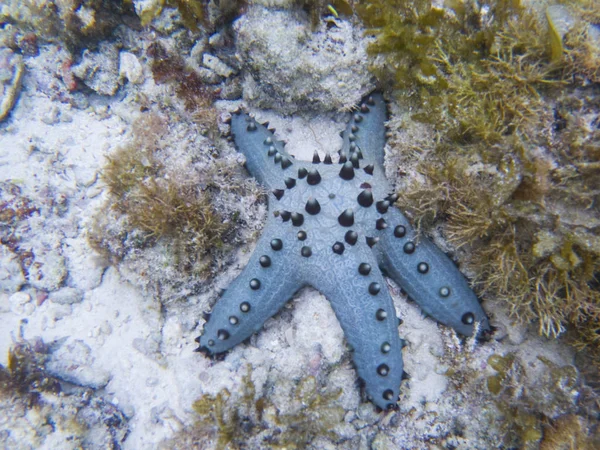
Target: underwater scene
point(300, 224)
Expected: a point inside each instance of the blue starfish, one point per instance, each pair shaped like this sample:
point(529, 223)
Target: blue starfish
point(333, 226)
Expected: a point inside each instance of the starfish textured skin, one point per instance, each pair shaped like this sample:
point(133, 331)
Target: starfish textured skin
point(333, 226)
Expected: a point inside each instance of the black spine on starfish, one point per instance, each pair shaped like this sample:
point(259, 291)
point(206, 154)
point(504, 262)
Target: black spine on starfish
point(314, 177)
point(312, 206)
point(290, 182)
point(347, 171)
point(365, 198)
point(297, 219)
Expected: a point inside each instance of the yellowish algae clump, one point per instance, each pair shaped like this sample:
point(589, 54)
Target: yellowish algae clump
point(509, 164)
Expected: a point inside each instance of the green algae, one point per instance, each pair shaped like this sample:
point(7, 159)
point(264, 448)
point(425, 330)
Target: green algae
point(157, 205)
point(198, 98)
point(244, 418)
point(511, 165)
point(195, 14)
point(63, 20)
point(42, 410)
point(568, 432)
point(501, 365)
point(25, 374)
point(317, 8)
point(315, 414)
point(544, 412)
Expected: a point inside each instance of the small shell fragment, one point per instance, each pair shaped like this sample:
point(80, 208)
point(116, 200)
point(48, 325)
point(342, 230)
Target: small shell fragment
point(11, 75)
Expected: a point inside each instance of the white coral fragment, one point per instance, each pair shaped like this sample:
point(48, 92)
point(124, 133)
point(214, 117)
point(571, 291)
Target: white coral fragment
point(11, 75)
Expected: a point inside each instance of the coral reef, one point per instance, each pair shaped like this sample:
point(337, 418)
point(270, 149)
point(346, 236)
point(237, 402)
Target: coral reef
point(38, 258)
point(99, 70)
point(76, 23)
point(14, 209)
point(288, 68)
point(119, 340)
point(510, 173)
point(37, 261)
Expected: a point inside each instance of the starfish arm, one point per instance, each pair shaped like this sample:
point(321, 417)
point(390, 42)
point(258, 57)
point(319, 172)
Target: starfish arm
point(263, 287)
point(366, 130)
point(266, 158)
point(429, 277)
point(353, 284)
